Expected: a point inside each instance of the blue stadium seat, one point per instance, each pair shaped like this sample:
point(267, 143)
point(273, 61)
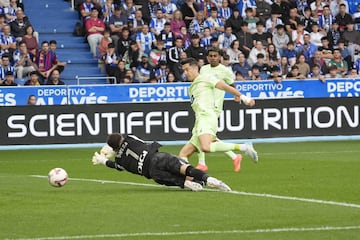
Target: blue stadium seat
point(54, 20)
point(353, 6)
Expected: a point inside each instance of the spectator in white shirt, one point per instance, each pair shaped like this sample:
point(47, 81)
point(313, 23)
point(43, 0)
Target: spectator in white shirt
point(316, 35)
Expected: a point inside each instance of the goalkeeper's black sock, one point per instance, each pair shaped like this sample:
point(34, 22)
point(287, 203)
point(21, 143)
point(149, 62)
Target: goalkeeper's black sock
point(196, 174)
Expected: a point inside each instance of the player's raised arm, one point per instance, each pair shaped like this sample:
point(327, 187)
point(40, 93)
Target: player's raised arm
point(246, 100)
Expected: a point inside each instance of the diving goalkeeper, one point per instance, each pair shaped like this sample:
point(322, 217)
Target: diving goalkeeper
point(138, 157)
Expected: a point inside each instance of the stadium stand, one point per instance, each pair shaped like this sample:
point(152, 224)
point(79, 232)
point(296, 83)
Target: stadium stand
point(300, 20)
point(54, 20)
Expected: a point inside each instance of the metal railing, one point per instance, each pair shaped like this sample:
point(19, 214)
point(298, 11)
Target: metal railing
point(95, 78)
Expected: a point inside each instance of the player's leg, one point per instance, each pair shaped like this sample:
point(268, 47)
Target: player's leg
point(201, 161)
point(186, 151)
point(208, 146)
point(199, 175)
point(194, 146)
point(224, 147)
point(205, 140)
point(165, 170)
point(206, 137)
point(206, 133)
point(236, 158)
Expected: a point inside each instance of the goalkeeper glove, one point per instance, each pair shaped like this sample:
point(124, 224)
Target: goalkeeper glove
point(99, 159)
point(107, 151)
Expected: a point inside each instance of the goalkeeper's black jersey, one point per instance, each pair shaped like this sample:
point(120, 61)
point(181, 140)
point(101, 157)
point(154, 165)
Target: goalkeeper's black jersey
point(135, 155)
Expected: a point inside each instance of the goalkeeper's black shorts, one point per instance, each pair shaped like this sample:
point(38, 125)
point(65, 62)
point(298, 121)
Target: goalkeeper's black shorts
point(165, 169)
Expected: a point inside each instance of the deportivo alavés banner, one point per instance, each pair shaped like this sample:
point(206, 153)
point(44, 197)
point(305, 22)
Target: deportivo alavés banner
point(98, 94)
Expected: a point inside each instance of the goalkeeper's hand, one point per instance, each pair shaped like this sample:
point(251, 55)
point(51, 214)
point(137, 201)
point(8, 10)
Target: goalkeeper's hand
point(107, 151)
point(247, 101)
point(99, 159)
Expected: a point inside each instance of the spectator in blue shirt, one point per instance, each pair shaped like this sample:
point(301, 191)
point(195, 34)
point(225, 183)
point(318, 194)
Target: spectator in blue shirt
point(308, 48)
point(162, 72)
point(242, 66)
point(143, 71)
point(290, 53)
point(145, 39)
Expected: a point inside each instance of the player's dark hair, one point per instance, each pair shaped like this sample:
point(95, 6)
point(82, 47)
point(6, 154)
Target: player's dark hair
point(190, 61)
point(213, 49)
point(114, 141)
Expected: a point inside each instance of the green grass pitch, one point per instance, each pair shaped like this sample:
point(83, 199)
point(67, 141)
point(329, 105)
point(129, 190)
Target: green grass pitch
point(304, 172)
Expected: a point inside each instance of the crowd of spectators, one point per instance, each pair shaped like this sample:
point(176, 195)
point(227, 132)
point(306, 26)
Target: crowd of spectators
point(21, 58)
point(144, 41)
point(259, 39)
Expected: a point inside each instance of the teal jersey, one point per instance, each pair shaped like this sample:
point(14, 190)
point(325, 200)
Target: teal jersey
point(202, 94)
point(223, 73)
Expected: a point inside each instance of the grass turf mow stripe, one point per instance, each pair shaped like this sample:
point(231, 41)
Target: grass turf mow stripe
point(343, 204)
point(121, 235)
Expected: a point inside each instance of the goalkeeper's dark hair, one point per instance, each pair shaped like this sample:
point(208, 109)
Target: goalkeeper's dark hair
point(114, 141)
point(190, 61)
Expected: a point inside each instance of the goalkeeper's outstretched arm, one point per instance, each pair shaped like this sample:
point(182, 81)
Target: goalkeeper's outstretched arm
point(112, 164)
point(100, 159)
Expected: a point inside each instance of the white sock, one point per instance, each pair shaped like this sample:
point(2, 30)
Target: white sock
point(201, 158)
point(231, 155)
point(243, 147)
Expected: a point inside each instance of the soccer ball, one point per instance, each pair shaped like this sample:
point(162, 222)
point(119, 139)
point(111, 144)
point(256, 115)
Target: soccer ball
point(57, 177)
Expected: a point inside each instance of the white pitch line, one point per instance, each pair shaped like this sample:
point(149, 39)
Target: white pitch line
point(239, 231)
point(265, 195)
point(311, 200)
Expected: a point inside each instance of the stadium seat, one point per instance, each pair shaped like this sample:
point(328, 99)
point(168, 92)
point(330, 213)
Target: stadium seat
point(54, 20)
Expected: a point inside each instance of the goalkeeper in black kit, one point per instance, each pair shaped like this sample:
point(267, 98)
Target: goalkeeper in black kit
point(136, 156)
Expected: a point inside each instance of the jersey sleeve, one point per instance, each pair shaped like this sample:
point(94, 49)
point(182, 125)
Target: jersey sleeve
point(202, 69)
point(212, 79)
point(228, 76)
point(112, 164)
